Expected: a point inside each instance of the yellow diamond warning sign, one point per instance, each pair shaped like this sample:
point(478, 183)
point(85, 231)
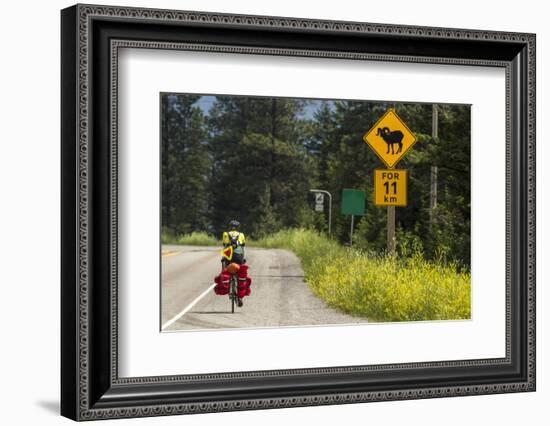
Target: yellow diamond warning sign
point(390, 138)
point(390, 187)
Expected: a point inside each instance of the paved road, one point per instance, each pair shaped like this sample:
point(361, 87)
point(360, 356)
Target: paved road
point(280, 297)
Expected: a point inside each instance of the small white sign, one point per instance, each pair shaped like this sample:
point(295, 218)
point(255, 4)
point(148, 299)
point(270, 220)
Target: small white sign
point(319, 201)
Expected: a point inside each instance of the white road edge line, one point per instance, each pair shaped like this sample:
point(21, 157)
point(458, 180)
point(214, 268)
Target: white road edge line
point(182, 313)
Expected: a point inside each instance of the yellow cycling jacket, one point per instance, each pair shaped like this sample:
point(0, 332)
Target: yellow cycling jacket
point(227, 236)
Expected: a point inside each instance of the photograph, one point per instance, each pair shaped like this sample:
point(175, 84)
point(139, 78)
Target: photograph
point(280, 211)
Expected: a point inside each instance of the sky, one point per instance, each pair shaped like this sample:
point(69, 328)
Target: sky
point(206, 102)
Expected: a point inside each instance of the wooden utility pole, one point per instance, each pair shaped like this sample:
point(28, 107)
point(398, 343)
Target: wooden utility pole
point(433, 171)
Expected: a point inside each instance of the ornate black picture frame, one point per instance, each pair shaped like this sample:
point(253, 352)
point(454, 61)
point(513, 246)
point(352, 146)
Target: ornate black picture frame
point(90, 385)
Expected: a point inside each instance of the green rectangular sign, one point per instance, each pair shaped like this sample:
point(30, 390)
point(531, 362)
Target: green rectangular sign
point(353, 202)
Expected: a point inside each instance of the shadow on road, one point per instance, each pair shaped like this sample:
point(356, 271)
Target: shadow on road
point(211, 312)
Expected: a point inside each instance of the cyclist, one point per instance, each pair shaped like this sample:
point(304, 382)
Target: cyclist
point(236, 239)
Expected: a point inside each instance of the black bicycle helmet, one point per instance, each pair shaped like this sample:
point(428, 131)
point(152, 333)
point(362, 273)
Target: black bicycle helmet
point(234, 224)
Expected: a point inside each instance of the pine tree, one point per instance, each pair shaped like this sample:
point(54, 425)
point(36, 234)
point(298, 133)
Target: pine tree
point(186, 165)
point(260, 163)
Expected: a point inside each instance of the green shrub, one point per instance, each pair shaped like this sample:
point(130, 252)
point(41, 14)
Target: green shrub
point(193, 239)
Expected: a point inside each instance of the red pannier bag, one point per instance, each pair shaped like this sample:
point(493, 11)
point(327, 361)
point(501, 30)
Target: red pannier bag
point(222, 283)
point(243, 288)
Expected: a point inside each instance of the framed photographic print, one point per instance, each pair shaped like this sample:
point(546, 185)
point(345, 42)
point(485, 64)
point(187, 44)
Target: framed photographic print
point(263, 212)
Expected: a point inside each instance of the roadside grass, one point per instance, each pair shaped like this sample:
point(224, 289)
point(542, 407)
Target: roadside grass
point(193, 239)
point(377, 287)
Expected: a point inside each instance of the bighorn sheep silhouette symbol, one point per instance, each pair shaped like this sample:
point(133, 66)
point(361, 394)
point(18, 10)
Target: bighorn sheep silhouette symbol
point(391, 138)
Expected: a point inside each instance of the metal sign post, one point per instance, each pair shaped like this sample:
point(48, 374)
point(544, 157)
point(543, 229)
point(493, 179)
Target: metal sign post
point(351, 232)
